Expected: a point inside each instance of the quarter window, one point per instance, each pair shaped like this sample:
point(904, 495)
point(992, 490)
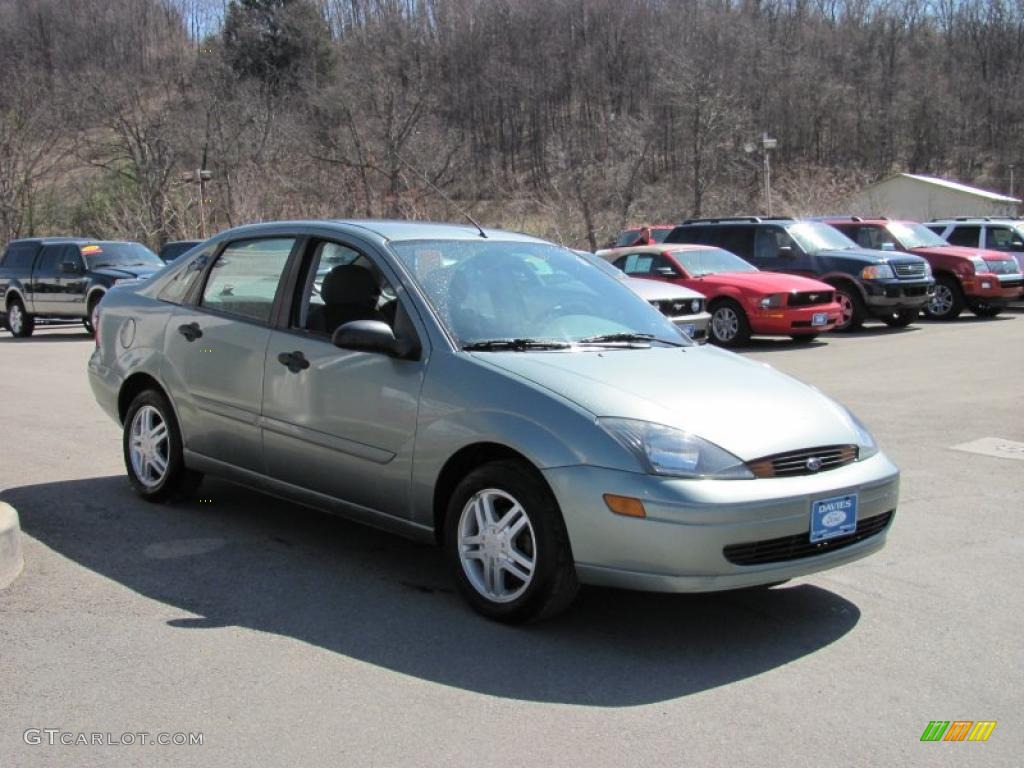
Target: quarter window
point(245, 278)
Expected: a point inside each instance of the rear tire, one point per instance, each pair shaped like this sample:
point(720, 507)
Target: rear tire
point(89, 321)
point(153, 450)
point(506, 544)
point(901, 319)
point(948, 301)
point(20, 323)
point(729, 326)
point(852, 310)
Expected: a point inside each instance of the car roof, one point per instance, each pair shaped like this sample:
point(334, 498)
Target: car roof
point(978, 220)
point(661, 248)
point(388, 230)
point(70, 240)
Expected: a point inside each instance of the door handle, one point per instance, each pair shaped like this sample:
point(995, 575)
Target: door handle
point(190, 331)
point(293, 361)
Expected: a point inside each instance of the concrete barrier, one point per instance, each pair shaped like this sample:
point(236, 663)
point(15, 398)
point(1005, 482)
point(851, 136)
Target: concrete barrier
point(11, 560)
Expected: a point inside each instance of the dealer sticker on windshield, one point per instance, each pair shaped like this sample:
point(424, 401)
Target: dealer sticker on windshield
point(819, 318)
point(833, 517)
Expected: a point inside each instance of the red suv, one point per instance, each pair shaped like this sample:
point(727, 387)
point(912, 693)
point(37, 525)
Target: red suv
point(742, 299)
point(984, 281)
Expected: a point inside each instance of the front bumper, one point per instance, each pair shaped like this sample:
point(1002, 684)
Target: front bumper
point(788, 321)
point(679, 546)
point(699, 322)
point(884, 296)
point(994, 289)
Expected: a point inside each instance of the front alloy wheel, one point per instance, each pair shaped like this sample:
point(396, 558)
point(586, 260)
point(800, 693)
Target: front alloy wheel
point(497, 545)
point(506, 544)
point(19, 322)
point(729, 326)
point(947, 302)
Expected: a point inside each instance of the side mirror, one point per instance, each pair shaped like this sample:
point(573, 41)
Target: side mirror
point(69, 268)
point(373, 336)
point(667, 272)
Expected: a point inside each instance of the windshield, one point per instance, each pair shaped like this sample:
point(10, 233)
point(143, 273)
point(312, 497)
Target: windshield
point(711, 261)
point(814, 236)
point(913, 235)
point(120, 255)
point(488, 290)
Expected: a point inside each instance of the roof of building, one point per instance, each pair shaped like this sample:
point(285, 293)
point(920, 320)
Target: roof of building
point(956, 187)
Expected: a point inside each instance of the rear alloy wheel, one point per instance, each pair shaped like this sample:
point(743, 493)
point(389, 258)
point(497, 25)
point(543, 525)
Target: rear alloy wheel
point(19, 322)
point(729, 325)
point(901, 319)
point(948, 301)
point(507, 546)
point(153, 450)
point(851, 309)
point(984, 309)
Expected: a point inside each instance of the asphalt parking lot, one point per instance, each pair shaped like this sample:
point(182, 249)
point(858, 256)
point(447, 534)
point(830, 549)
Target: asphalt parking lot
point(287, 637)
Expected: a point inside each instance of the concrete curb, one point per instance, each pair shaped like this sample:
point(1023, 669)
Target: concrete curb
point(11, 560)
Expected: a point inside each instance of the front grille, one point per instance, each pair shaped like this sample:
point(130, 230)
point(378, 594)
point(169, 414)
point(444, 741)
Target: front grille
point(800, 546)
point(906, 269)
point(795, 463)
point(810, 298)
point(678, 307)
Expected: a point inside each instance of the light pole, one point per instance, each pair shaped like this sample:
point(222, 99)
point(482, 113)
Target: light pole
point(1012, 166)
point(767, 144)
point(199, 176)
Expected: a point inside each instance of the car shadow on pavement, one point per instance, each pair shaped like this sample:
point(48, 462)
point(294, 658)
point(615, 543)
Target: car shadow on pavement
point(240, 558)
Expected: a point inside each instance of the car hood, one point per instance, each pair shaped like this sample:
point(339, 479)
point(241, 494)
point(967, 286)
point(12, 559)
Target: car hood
point(745, 407)
point(964, 252)
point(120, 273)
point(766, 282)
point(871, 256)
point(657, 290)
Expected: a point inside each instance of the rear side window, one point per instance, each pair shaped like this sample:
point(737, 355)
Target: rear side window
point(179, 287)
point(20, 255)
point(636, 263)
point(968, 236)
point(245, 278)
point(739, 240)
point(696, 235)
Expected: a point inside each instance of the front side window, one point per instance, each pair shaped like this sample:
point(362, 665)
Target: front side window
point(50, 259)
point(1003, 239)
point(769, 240)
point(491, 290)
point(245, 278)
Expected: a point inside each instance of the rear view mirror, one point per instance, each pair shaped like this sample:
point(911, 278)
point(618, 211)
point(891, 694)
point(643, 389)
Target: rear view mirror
point(667, 272)
point(786, 251)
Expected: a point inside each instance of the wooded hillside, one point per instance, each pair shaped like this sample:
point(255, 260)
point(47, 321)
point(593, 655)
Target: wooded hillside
point(566, 118)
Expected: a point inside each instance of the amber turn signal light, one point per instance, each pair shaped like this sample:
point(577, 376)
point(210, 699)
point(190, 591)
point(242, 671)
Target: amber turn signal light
point(624, 505)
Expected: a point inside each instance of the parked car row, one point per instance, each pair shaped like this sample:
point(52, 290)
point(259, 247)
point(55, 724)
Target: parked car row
point(870, 268)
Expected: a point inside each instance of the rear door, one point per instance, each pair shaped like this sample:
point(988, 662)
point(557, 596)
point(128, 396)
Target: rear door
point(340, 422)
point(214, 348)
point(45, 286)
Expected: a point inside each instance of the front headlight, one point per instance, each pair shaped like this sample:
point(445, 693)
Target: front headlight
point(980, 266)
point(772, 300)
point(877, 272)
point(668, 451)
point(865, 441)
point(927, 269)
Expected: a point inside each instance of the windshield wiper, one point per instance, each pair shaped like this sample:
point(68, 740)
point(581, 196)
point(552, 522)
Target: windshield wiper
point(611, 338)
point(513, 345)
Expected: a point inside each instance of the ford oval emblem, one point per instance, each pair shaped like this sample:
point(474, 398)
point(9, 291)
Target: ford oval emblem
point(813, 464)
point(834, 518)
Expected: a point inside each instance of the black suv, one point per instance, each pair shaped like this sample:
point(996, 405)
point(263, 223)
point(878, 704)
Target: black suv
point(893, 287)
point(65, 277)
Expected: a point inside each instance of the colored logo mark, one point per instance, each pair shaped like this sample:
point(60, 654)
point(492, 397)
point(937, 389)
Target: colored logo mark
point(958, 730)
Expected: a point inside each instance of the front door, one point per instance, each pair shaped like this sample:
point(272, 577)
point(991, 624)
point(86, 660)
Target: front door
point(339, 422)
point(214, 351)
point(71, 284)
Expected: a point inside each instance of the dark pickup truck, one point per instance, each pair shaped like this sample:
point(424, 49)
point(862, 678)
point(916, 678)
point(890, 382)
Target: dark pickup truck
point(64, 277)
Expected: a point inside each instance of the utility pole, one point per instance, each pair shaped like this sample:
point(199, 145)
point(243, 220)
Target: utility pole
point(1012, 166)
point(199, 176)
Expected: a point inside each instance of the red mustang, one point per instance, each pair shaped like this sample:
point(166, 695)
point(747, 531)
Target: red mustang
point(742, 300)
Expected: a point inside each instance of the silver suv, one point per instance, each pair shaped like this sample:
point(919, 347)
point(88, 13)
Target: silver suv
point(988, 232)
point(491, 392)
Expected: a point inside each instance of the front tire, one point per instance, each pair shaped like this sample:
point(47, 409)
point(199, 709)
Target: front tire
point(852, 310)
point(506, 544)
point(948, 301)
point(729, 326)
point(901, 319)
point(984, 309)
point(153, 453)
point(20, 323)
